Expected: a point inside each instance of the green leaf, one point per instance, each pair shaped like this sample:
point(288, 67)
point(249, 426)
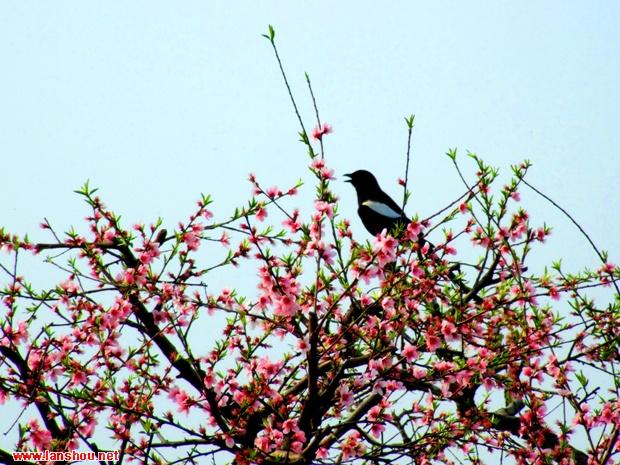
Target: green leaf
point(452, 154)
point(271, 35)
point(410, 121)
point(583, 380)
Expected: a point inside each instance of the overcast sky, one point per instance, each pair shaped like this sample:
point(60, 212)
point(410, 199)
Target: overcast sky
point(155, 102)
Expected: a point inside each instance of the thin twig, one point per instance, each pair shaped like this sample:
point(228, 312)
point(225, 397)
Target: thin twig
point(316, 112)
point(568, 215)
point(288, 87)
point(409, 133)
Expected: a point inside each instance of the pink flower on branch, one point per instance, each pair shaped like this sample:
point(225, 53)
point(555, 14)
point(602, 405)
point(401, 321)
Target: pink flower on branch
point(385, 248)
point(182, 399)
point(449, 331)
point(192, 237)
point(319, 166)
point(261, 214)
point(41, 437)
point(293, 223)
point(432, 342)
point(380, 332)
point(320, 130)
point(324, 208)
point(286, 305)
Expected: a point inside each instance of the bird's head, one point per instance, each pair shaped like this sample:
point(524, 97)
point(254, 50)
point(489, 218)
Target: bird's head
point(362, 179)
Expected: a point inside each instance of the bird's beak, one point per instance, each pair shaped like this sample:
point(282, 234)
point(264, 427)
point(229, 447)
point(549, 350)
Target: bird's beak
point(348, 175)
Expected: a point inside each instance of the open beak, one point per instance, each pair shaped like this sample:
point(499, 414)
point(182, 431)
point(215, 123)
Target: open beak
point(348, 175)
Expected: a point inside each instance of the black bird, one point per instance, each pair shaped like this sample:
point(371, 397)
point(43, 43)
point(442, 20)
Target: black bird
point(376, 209)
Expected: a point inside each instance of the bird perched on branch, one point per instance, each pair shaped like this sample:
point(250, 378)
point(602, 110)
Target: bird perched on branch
point(376, 209)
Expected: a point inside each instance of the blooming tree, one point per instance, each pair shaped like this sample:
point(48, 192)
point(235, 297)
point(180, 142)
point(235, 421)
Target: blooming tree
point(393, 350)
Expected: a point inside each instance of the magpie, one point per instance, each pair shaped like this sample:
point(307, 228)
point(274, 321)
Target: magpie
point(376, 209)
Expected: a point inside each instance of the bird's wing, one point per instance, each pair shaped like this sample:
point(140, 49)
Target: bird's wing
point(382, 209)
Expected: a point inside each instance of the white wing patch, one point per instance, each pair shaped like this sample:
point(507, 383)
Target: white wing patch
point(381, 209)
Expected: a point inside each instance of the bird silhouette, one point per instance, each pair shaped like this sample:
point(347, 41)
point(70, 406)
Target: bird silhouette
point(376, 209)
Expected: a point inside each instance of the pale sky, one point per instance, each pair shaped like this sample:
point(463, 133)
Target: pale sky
point(156, 102)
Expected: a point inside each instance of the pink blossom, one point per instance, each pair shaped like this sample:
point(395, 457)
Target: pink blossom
point(385, 248)
point(263, 301)
point(182, 399)
point(88, 427)
point(79, 374)
point(261, 214)
point(225, 239)
point(303, 345)
point(416, 270)
point(553, 293)
point(286, 305)
point(376, 429)
point(489, 383)
point(608, 268)
point(345, 396)
point(541, 234)
point(41, 437)
point(15, 335)
point(109, 235)
point(463, 377)
point(352, 446)
point(418, 372)
point(149, 253)
point(321, 453)
point(449, 331)
point(374, 413)
point(410, 353)
point(413, 230)
point(326, 174)
point(449, 250)
point(443, 365)
point(268, 369)
point(432, 342)
point(320, 130)
point(445, 387)
point(526, 293)
point(273, 192)
point(209, 379)
point(226, 297)
point(117, 314)
point(69, 286)
point(366, 272)
point(293, 223)
point(192, 240)
point(289, 426)
point(325, 208)
point(262, 443)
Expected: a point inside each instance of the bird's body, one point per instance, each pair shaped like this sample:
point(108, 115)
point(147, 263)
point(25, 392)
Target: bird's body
point(377, 210)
